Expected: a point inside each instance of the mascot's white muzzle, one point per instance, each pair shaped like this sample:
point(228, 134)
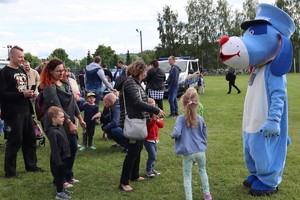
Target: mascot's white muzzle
point(234, 52)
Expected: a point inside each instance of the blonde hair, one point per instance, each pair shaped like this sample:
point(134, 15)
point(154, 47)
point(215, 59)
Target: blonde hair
point(190, 101)
point(53, 112)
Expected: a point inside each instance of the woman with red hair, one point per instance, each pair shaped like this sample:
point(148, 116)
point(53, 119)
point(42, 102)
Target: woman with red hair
point(57, 92)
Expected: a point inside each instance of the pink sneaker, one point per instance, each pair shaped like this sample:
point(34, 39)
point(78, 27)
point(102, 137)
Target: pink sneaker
point(207, 197)
point(67, 185)
point(73, 180)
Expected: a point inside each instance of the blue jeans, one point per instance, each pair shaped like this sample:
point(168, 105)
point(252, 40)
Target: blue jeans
point(73, 141)
point(187, 164)
point(173, 100)
point(152, 150)
point(116, 134)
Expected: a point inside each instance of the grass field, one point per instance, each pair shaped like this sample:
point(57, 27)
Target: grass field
point(99, 171)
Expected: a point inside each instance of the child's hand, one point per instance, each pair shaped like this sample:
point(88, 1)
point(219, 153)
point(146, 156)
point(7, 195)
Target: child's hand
point(96, 116)
point(155, 117)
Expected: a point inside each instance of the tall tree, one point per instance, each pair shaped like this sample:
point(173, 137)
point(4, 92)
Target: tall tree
point(106, 53)
point(61, 54)
point(89, 58)
point(34, 60)
point(249, 8)
point(292, 7)
point(167, 28)
point(128, 58)
point(201, 29)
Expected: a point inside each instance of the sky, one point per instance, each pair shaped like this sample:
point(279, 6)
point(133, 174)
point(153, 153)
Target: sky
point(41, 26)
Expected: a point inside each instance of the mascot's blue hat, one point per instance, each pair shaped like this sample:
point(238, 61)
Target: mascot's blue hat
point(266, 13)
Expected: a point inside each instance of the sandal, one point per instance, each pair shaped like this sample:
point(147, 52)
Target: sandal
point(121, 187)
point(139, 179)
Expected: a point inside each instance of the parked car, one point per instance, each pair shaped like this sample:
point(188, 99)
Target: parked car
point(189, 75)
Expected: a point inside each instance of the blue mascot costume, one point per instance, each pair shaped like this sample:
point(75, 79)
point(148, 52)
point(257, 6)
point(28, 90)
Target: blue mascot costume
point(265, 46)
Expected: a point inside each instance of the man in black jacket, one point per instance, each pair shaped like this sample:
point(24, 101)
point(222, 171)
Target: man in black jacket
point(17, 113)
point(230, 76)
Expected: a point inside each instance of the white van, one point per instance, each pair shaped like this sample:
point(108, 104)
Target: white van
point(189, 75)
point(3, 63)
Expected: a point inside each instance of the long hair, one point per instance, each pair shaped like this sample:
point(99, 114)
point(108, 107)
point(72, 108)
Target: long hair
point(46, 77)
point(190, 101)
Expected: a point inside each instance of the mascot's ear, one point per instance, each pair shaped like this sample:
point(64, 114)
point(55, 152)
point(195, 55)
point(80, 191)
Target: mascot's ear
point(283, 61)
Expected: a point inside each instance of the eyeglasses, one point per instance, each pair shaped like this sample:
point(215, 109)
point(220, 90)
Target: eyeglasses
point(60, 71)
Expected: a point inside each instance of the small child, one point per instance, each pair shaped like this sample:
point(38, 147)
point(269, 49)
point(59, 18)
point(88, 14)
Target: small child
point(200, 107)
point(151, 141)
point(190, 141)
point(90, 109)
point(60, 150)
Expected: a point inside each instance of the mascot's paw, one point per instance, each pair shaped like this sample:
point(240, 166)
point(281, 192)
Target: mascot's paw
point(260, 189)
point(249, 181)
point(270, 128)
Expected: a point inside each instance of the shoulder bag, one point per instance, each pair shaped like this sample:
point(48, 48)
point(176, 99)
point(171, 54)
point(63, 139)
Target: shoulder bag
point(134, 129)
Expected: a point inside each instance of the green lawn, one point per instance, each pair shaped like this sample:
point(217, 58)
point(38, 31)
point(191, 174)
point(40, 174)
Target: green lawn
point(99, 171)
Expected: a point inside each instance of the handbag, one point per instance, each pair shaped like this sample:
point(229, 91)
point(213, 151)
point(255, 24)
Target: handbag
point(134, 129)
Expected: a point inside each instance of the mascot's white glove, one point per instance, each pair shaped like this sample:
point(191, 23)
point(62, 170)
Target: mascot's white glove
point(270, 128)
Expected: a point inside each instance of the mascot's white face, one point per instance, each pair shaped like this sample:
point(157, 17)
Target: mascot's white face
point(234, 52)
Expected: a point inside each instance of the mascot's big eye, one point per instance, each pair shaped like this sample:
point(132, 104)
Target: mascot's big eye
point(251, 32)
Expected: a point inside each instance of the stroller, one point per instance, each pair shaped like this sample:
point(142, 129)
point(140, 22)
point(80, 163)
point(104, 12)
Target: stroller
point(39, 134)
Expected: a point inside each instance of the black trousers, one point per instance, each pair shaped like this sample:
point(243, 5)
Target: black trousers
point(131, 164)
point(59, 174)
point(88, 135)
point(232, 84)
point(20, 133)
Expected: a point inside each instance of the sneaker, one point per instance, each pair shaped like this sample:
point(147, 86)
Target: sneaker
point(93, 148)
point(67, 185)
point(150, 174)
point(67, 192)
point(62, 196)
point(83, 148)
point(207, 197)
point(156, 172)
point(73, 180)
point(78, 145)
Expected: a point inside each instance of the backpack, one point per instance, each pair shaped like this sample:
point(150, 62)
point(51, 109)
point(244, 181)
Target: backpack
point(40, 106)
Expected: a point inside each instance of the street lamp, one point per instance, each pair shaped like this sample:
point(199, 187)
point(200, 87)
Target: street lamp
point(140, 40)
point(8, 49)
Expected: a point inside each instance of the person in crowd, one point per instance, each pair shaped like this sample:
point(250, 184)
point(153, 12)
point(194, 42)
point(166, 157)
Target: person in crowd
point(201, 84)
point(33, 76)
point(107, 73)
point(230, 77)
point(70, 74)
point(155, 80)
point(94, 79)
point(41, 66)
point(136, 99)
point(151, 141)
point(57, 92)
point(90, 109)
point(190, 141)
point(81, 81)
point(121, 70)
point(173, 86)
point(111, 120)
point(17, 111)
point(60, 149)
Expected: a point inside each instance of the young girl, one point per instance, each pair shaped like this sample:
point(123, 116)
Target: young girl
point(151, 141)
point(190, 142)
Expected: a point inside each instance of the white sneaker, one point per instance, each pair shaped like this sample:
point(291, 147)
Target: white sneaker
point(67, 185)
